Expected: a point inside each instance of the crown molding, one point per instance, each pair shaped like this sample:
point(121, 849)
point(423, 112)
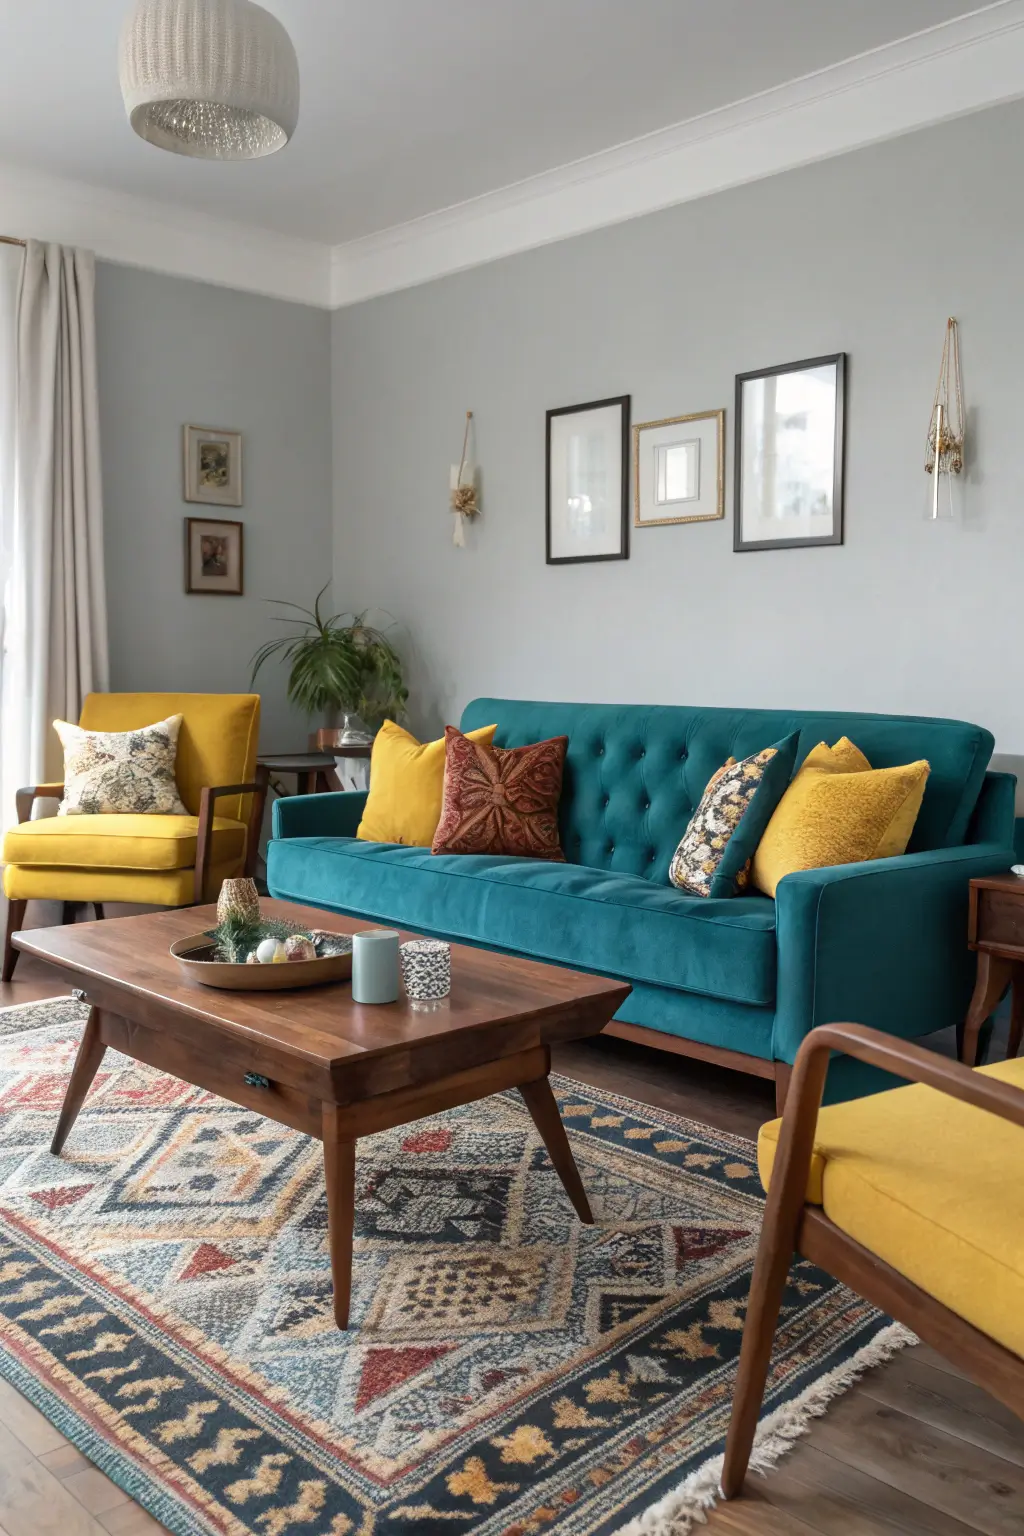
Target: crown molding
point(137, 232)
point(962, 66)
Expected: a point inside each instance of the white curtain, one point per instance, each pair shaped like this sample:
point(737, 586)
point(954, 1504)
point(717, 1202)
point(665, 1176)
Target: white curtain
point(55, 621)
point(11, 259)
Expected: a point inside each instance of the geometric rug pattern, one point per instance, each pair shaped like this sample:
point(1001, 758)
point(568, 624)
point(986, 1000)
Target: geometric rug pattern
point(165, 1299)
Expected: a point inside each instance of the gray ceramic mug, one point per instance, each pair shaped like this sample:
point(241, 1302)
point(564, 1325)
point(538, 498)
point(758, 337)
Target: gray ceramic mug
point(375, 966)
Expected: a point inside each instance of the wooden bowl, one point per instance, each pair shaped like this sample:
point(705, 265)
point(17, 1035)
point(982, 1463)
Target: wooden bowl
point(195, 956)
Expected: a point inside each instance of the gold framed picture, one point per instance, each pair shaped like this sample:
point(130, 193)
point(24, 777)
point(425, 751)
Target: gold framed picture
point(213, 466)
point(679, 470)
point(213, 556)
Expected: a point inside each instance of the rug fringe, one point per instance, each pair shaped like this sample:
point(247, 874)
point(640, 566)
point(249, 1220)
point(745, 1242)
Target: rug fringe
point(688, 1505)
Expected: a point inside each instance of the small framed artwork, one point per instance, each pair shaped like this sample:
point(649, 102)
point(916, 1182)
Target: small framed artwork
point(789, 455)
point(213, 466)
point(587, 502)
point(679, 470)
point(213, 556)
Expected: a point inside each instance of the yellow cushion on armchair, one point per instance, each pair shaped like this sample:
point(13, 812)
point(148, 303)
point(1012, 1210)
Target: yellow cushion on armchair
point(118, 841)
point(931, 1185)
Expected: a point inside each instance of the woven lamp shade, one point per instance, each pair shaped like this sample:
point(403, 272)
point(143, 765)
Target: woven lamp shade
point(215, 79)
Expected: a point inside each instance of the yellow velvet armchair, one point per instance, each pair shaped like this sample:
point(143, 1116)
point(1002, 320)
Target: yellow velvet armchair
point(166, 861)
point(912, 1197)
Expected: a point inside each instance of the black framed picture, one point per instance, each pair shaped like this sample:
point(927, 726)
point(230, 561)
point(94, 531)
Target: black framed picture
point(587, 465)
point(213, 556)
point(789, 455)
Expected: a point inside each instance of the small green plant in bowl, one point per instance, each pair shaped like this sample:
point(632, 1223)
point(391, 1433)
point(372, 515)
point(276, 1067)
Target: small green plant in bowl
point(240, 940)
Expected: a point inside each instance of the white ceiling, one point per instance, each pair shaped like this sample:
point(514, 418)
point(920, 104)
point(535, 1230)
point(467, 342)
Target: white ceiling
point(409, 106)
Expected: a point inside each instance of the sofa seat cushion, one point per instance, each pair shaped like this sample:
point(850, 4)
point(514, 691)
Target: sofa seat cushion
point(619, 925)
point(118, 842)
point(927, 1183)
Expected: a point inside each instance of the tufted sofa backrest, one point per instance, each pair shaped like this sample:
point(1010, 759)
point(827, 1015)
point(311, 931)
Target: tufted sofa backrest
point(635, 772)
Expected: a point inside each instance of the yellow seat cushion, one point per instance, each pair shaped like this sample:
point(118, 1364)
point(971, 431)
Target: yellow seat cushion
point(118, 842)
point(931, 1186)
point(839, 810)
point(406, 786)
point(150, 887)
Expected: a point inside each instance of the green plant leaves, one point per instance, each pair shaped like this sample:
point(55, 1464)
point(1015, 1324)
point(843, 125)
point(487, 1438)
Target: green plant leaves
point(334, 665)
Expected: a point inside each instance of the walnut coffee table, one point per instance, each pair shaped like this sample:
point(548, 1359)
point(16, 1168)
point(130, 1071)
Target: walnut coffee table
point(318, 1061)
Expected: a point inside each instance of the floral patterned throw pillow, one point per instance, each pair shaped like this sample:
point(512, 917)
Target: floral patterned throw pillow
point(130, 772)
point(501, 800)
point(713, 858)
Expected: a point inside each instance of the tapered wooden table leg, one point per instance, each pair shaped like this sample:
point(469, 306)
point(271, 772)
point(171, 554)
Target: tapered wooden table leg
point(340, 1177)
point(540, 1101)
point(91, 1052)
point(993, 975)
point(1016, 1012)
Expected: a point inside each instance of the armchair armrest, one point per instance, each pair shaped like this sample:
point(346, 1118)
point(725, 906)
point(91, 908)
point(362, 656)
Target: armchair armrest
point(883, 942)
point(204, 835)
point(898, 1057)
point(332, 815)
point(911, 1062)
point(24, 798)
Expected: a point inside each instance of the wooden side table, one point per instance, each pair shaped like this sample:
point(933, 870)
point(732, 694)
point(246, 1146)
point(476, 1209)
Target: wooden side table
point(314, 771)
point(995, 929)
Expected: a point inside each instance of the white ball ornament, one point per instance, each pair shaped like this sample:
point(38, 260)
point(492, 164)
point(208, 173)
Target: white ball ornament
point(267, 952)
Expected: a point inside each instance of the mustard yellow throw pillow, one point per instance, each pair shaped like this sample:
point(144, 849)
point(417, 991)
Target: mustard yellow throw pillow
point(406, 787)
point(839, 810)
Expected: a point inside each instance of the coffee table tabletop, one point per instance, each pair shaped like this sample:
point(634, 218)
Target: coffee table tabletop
point(314, 1059)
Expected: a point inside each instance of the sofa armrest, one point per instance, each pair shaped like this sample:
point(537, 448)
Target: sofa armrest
point(883, 943)
point(993, 819)
point(331, 815)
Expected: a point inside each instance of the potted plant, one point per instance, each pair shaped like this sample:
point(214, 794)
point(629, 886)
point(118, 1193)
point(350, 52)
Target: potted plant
point(338, 666)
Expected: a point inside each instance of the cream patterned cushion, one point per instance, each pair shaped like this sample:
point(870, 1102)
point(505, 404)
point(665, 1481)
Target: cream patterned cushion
point(121, 771)
point(713, 858)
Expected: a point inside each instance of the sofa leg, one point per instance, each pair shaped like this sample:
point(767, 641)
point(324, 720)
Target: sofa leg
point(97, 908)
point(15, 921)
point(783, 1073)
point(67, 912)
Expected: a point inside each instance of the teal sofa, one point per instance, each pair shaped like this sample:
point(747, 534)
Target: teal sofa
point(740, 981)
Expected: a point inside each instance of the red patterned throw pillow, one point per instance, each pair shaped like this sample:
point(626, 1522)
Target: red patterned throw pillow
point(501, 800)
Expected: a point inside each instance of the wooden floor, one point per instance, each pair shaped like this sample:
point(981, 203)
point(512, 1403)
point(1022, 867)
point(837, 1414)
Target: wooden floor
point(914, 1450)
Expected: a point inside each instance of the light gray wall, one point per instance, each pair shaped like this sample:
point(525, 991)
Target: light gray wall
point(866, 254)
point(173, 351)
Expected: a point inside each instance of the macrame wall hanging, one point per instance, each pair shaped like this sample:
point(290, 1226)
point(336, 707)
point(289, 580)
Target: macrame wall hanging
point(463, 500)
point(945, 455)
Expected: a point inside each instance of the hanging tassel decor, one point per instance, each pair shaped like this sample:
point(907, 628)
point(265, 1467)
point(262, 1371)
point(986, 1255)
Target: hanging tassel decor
point(463, 500)
point(945, 451)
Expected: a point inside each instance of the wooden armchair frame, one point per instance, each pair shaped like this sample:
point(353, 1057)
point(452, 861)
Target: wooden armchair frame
point(791, 1225)
point(25, 798)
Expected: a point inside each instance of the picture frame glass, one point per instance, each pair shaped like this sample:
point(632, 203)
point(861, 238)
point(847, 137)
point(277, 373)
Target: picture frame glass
point(679, 470)
point(788, 455)
point(213, 556)
point(585, 483)
point(213, 466)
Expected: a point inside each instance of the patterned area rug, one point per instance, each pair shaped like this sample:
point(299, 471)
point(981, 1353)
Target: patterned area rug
point(165, 1301)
